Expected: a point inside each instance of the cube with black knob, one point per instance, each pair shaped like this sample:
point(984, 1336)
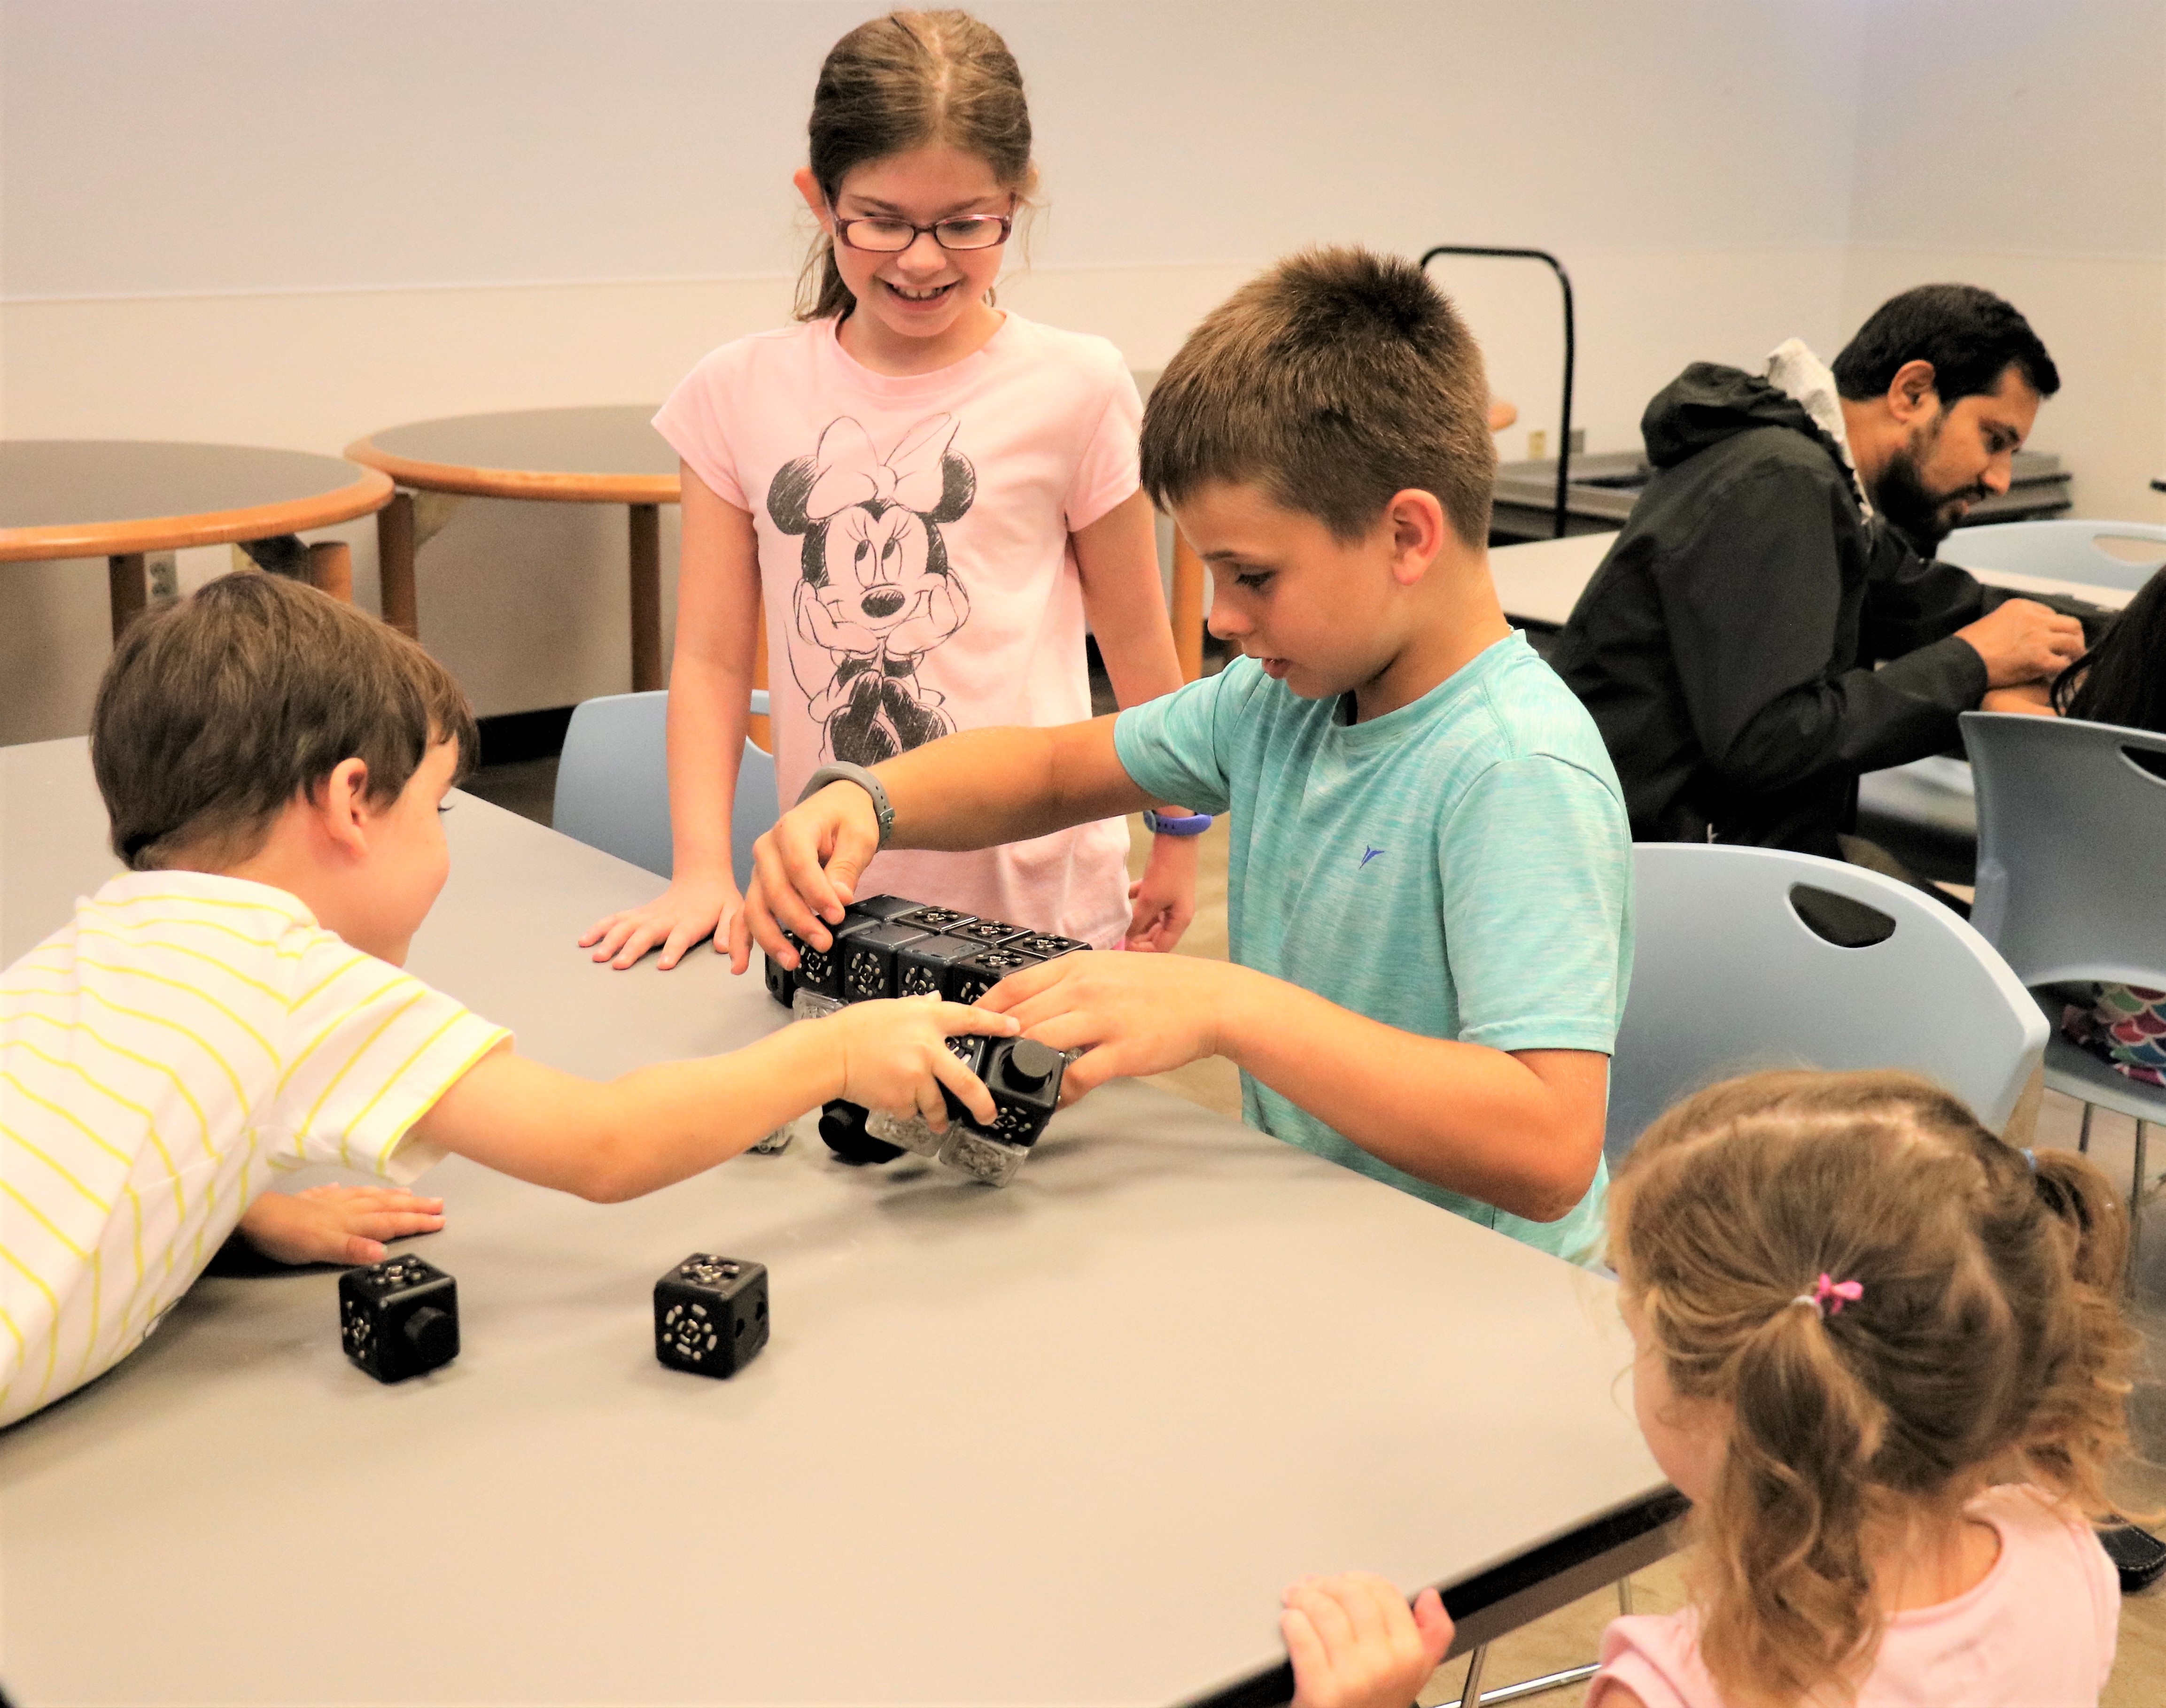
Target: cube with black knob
point(912, 1131)
point(843, 1130)
point(710, 1315)
point(398, 1318)
point(1024, 1079)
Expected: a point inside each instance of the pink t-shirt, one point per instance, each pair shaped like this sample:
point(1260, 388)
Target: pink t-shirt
point(2037, 1632)
point(915, 555)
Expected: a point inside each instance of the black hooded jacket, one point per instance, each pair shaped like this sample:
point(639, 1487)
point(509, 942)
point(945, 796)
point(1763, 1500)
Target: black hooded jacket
point(1726, 645)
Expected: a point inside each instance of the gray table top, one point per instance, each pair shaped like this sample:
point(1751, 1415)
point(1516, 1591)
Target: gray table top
point(141, 492)
point(1064, 1443)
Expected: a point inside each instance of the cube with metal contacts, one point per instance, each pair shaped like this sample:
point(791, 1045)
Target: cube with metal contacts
point(398, 1318)
point(710, 1315)
point(972, 976)
point(922, 966)
point(870, 962)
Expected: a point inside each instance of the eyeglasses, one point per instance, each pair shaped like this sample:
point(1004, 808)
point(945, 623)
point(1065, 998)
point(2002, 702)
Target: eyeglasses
point(893, 236)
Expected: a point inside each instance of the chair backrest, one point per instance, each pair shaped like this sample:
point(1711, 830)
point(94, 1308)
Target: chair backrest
point(2071, 847)
point(2062, 549)
point(613, 784)
point(1729, 976)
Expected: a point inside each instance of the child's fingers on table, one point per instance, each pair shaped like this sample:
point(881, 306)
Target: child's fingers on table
point(1306, 1650)
point(356, 1249)
point(1334, 1629)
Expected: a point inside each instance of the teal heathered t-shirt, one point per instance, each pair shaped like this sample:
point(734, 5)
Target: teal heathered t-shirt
point(1458, 868)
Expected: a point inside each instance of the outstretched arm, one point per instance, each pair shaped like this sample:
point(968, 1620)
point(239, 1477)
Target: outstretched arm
point(973, 789)
point(662, 1124)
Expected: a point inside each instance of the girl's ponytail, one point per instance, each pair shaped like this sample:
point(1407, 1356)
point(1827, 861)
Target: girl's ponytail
point(898, 84)
point(1790, 1587)
point(1967, 1331)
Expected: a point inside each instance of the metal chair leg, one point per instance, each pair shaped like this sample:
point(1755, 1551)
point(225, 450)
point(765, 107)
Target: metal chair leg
point(1625, 1597)
point(2084, 1132)
point(1470, 1693)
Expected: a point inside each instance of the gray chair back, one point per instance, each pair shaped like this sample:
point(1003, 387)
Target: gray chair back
point(613, 784)
point(2061, 550)
point(1729, 974)
point(2071, 847)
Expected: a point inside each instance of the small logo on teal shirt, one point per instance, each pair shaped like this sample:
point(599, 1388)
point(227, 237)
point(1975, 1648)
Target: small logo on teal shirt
point(1370, 853)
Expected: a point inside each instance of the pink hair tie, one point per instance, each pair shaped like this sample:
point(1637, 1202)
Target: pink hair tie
point(1829, 1296)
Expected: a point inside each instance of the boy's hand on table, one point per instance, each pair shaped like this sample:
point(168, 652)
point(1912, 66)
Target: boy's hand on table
point(690, 910)
point(1163, 902)
point(894, 1056)
point(804, 872)
point(1354, 1643)
point(336, 1224)
point(1132, 1014)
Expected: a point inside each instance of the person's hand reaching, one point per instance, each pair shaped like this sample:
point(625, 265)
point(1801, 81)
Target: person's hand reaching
point(336, 1224)
point(1355, 1642)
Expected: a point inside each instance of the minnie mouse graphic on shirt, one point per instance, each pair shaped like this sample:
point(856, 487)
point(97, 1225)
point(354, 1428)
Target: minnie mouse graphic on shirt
point(876, 591)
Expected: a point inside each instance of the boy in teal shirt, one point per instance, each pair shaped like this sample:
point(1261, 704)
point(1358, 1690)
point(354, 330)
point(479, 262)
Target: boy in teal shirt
point(1429, 877)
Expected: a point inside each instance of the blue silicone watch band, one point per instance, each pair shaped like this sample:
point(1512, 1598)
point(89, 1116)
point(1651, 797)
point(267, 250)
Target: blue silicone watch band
point(1159, 824)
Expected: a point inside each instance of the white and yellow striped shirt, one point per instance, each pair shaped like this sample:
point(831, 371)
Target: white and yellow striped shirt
point(163, 1057)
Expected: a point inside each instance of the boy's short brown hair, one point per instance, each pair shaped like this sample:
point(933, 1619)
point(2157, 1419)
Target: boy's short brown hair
point(1334, 381)
point(217, 710)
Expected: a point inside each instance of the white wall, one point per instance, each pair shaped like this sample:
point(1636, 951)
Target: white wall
point(290, 223)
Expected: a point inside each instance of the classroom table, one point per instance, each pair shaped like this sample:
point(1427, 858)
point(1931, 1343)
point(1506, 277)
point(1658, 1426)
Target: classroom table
point(1540, 581)
point(606, 455)
point(1063, 1442)
point(122, 498)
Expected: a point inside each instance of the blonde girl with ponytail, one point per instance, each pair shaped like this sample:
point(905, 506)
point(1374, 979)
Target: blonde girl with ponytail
point(1883, 1353)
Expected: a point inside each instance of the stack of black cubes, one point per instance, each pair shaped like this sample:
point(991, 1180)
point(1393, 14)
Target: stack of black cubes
point(887, 946)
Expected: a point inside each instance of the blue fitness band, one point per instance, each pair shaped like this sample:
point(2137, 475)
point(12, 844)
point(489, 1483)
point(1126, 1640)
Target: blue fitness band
point(1159, 824)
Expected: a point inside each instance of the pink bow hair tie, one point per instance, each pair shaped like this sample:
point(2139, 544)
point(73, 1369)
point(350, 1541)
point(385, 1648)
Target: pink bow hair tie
point(1828, 1295)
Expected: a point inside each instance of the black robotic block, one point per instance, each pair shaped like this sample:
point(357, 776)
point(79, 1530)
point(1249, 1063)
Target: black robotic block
point(884, 907)
point(989, 934)
point(936, 918)
point(1045, 945)
point(710, 1315)
point(1024, 1077)
point(970, 979)
point(920, 968)
point(843, 1130)
point(781, 982)
point(820, 970)
point(398, 1318)
point(869, 960)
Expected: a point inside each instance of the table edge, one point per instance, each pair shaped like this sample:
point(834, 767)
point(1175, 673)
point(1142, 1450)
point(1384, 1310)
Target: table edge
point(370, 493)
point(1636, 1526)
point(478, 483)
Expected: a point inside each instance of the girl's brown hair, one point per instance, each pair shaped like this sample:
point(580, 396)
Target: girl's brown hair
point(1987, 1345)
point(898, 84)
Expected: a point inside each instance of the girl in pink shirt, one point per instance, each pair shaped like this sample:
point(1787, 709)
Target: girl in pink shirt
point(1883, 1353)
point(933, 495)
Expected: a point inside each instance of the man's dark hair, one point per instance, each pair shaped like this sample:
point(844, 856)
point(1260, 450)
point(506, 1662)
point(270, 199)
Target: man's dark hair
point(1335, 380)
point(1971, 336)
point(219, 708)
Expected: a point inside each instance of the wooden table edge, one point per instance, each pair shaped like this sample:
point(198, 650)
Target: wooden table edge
point(369, 493)
point(516, 483)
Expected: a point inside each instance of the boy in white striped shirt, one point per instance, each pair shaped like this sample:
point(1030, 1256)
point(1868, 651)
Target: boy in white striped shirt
point(232, 1006)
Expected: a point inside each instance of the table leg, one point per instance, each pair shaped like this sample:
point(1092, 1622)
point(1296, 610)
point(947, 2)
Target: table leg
point(1187, 608)
point(646, 597)
point(330, 569)
point(394, 557)
point(128, 583)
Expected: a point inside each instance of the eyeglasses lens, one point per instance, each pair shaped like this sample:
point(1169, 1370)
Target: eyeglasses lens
point(892, 236)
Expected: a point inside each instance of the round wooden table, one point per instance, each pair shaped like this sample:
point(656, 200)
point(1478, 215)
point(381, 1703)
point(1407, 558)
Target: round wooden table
point(120, 499)
point(608, 455)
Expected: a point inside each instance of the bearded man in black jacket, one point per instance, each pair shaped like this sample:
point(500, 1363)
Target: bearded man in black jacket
point(1726, 646)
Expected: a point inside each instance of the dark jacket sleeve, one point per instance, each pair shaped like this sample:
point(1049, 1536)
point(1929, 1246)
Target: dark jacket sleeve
point(1756, 608)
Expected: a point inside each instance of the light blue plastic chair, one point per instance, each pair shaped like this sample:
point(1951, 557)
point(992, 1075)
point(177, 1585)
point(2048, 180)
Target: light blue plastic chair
point(1729, 977)
point(2071, 882)
point(613, 784)
point(2061, 550)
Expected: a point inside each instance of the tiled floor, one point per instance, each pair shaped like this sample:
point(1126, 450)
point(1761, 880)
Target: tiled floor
point(1570, 1637)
